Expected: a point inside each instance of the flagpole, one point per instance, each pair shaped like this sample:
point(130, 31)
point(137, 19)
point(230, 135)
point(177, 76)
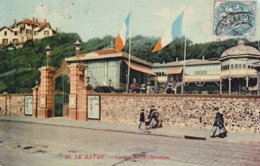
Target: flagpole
point(129, 59)
point(184, 56)
point(129, 62)
point(183, 70)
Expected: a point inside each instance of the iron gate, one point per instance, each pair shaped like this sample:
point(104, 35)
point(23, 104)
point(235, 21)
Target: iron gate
point(61, 100)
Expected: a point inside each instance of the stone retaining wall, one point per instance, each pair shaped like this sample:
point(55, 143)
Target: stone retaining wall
point(241, 113)
point(12, 104)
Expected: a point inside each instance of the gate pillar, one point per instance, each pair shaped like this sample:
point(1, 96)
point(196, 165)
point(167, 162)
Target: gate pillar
point(46, 93)
point(78, 93)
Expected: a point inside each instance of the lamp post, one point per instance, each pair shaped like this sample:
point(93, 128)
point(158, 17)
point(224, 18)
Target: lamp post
point(77, 46)
point(48, 53)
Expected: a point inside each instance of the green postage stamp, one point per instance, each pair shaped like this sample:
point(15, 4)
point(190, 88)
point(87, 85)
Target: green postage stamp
point(234, 18)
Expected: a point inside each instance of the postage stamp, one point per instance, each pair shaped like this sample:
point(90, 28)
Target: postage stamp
point(234, 18)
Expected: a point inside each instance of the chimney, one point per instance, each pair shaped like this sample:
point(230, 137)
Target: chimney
point(36, 20)
point(33, 20)
point(45, 21)
point(14, 21)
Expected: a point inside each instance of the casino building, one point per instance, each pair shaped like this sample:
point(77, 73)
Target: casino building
point(231, 74)
point(235, 72)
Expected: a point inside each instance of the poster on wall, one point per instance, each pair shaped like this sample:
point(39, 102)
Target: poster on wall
point(28, 105)
point(42, 101)
point(94, 107)
point(72, 101)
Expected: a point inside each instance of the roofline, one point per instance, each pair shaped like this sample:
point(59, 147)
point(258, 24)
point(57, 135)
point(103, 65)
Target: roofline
point(239, 56)
point(180, 63)
point(7, 28)
point(85, 57)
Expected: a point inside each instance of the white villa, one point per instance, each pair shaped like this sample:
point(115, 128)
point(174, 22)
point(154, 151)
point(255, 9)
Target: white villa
point(20, 32)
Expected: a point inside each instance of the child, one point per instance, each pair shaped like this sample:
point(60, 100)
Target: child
point(142, 118)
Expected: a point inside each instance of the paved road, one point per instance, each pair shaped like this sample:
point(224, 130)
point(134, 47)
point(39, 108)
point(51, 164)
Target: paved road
point(41, 145)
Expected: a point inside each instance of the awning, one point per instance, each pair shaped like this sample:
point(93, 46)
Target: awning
point(174, 70)
point(140, 68)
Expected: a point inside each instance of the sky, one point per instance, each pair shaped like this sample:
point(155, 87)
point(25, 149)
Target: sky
point(98, 18)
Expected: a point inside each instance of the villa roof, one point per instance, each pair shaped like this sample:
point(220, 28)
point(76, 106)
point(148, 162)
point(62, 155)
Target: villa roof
point(6, 28)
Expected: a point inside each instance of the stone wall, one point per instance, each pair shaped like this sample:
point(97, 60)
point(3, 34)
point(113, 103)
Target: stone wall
point(12, 104)
point(241, 113)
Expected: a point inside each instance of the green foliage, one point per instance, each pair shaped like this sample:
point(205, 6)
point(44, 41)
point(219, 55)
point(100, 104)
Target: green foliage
point(19, 67)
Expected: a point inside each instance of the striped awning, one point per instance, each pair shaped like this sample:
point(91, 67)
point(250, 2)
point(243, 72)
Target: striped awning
point(174, 70)
point(140, 68)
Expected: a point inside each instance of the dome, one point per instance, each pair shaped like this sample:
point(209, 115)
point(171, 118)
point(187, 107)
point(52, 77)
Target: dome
point(240, 49)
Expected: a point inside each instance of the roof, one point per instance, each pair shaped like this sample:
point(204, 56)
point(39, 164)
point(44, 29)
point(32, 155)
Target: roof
point(173, 70)
point(31, 22)
point(106, 54)
point(140, 68)
point(6, 28)
point(188, 62)
point(240, 49)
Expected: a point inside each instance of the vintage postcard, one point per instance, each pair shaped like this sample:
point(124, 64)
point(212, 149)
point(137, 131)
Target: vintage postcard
point(129, 82)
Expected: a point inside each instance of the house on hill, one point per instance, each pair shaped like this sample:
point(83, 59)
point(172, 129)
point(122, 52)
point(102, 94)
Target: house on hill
point(19, 32)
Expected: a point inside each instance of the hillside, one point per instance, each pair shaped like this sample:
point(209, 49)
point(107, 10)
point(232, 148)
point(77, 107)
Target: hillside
point(19, 67)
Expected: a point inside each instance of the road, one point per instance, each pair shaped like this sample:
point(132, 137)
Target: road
point(40, 145)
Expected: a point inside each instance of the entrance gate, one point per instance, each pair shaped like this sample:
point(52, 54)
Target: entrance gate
point(61, 99)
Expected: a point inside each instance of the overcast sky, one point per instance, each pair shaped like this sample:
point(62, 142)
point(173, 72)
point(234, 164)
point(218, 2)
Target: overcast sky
point(97, 18)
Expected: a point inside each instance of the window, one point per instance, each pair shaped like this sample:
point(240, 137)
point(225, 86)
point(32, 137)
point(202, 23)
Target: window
point(5, 41)
point(244, 66)
point(240, 66)
point(15, 33)
point(232, 66)
point(5, 33)
point(21, 31)
point(15, 41)
point(35, 33)
point(28, 31)
point(236, 66)
point(46, 33)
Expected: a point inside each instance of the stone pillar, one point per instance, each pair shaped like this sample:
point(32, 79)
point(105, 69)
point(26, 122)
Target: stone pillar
point(220, 87)
point(46, 93)
point(35, 103)
point(257, 68)
point(78, 93)
point(229, 85)
point(247, 81)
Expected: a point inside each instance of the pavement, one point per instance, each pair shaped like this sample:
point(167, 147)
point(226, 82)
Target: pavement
point(165, 132)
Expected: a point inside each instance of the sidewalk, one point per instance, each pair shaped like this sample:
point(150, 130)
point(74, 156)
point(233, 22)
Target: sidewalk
point(166, 132)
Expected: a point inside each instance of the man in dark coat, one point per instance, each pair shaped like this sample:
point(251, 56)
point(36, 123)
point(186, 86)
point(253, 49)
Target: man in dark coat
point(142, 118)
point(219, 126)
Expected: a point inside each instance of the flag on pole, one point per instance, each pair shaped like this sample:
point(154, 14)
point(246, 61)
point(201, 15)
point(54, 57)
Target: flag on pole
point(123, 34)
point(171, 34)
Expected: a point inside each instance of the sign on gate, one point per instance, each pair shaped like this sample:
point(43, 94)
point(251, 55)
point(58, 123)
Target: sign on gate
point(93, 107)
point(28, 105)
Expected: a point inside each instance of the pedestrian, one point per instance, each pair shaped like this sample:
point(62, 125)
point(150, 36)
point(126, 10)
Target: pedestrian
point(219, 126)
point(142, 118)
point(152, 119)
point(169, 89)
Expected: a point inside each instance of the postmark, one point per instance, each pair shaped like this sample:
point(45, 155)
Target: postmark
point(234, 18)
